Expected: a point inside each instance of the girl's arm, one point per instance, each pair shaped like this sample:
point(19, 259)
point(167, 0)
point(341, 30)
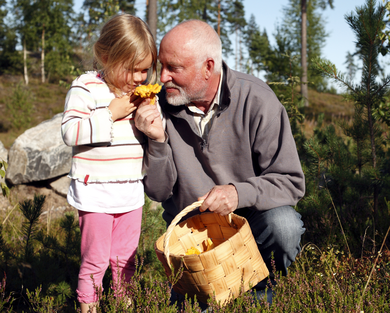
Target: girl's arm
point(84, 122)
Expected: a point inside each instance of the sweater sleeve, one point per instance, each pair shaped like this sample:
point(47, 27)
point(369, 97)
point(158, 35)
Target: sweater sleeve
point(82, 122)
point(161, 171)
point(281, 181)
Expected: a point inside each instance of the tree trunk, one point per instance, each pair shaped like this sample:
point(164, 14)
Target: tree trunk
point(304, 91)
point(43, 55)
point(219, 18)
point(152, 17)
point(25, 62)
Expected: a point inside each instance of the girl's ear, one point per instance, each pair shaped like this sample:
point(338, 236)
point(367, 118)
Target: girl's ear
point(104, 59)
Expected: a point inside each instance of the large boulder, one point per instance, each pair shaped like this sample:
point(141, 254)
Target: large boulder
point(39, 154)
point(3, 152)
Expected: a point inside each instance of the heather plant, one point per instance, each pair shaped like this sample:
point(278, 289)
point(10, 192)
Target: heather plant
point(6, 299)
point(333, 281)
point(321, 279)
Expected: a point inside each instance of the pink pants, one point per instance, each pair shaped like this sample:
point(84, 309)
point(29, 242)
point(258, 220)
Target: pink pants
point(106, 239)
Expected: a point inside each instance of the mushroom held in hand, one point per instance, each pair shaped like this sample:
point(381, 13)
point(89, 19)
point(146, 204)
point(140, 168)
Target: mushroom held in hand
point(148, 91)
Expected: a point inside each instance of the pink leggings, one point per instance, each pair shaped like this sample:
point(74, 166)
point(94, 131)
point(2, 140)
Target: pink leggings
point(106, 239)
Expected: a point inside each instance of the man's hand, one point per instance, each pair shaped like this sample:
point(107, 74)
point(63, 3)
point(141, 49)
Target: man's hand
point(148, 120)
point(220, 199)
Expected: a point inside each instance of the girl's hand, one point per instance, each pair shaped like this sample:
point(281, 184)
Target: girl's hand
point(122, 107)
point(148, 120)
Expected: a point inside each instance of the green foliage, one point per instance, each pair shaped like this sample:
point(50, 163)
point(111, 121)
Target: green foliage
point(258, 47)
point(351, 66)
point(172, 12)
point(330, 281)
point(100, 11)
point(382, 112)
point(153, 226)
point(53, 301)
point(286, 91)
point(3, 169)
point(356, 166)
point(5, 300)
point(289, 37)
point(31, 211)
point(9, 57)
point(319, 280)
point(19, 106)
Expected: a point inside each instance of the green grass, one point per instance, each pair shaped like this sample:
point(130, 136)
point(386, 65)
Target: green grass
point(47, 100)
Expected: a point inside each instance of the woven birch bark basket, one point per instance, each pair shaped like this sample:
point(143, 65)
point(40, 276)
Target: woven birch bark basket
point(232, 266)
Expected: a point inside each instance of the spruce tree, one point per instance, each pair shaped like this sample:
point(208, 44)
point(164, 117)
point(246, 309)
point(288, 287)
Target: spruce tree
point(293, 30)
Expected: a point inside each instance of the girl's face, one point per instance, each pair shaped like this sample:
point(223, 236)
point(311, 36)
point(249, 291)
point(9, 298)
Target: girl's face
point(140, 74)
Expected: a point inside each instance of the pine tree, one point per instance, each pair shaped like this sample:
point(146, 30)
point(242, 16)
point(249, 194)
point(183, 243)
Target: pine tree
point(50, 19)
point(237, 23)
point(361, 187)
point(304, 37)
point(99, 11)
point(258, 46)
point(351, 66)
point(9, 58)
point(213, 12)
point(23, 12)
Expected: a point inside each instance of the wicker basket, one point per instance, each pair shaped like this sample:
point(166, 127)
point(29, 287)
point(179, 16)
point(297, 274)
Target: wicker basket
point(233, 265)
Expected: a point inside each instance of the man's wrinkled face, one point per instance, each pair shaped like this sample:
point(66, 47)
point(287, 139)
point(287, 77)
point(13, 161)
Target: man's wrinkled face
point(181, 74)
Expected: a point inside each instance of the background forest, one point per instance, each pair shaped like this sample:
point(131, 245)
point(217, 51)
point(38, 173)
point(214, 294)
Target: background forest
point(342, 139)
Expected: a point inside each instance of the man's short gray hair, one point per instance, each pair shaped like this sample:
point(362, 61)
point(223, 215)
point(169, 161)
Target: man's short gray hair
point(204, 42)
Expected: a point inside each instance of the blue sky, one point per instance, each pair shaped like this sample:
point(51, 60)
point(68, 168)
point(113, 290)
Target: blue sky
point(269, 13)
point(340, 38)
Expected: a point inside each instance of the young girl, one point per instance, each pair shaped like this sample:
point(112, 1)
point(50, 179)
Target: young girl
point(106, 171)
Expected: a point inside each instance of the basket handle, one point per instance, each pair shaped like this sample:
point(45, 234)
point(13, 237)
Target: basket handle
point(176, 220)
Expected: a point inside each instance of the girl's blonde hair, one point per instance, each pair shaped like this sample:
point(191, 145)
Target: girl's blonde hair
point(125, 40)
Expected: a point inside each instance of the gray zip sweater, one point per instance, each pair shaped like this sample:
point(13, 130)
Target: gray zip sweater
point(250, 145)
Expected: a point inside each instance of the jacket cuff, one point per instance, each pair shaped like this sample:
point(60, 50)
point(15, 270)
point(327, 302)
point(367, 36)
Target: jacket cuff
point(158, 149)
point(247, 195)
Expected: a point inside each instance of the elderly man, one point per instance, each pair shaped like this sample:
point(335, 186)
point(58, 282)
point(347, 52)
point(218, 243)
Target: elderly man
point(227, 140)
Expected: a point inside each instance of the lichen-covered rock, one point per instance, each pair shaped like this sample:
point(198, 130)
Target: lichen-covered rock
point(39, 154)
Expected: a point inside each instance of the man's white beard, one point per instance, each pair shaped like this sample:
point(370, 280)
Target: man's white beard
point(179, 99)
point(183, 97)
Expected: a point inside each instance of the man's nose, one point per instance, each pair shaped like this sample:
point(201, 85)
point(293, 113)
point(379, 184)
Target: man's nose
point(164, 76)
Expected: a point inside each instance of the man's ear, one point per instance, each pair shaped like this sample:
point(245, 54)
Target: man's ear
point(209, 68)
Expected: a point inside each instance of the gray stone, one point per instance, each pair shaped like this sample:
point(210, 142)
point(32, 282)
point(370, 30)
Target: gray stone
point(39, 154)
point(61, 185)
point(3, 152)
